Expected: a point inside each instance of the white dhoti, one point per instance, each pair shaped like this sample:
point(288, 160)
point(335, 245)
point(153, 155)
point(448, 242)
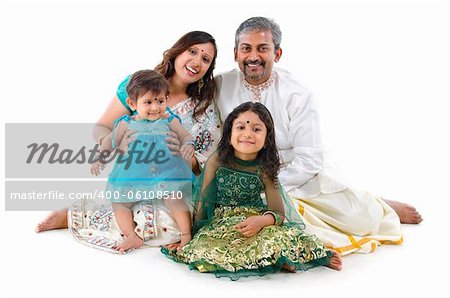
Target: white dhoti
point(346, 219)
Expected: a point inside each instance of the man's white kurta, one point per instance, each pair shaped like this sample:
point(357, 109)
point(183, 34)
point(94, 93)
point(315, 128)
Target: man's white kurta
point(344, 218)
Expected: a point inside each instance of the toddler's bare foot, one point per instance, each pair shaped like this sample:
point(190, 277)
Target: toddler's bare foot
point(132, 241)
point(185, 238)
point(336, 260)
point(180, 244)
point(407, 213)
point(172, 246)
point(55, 220)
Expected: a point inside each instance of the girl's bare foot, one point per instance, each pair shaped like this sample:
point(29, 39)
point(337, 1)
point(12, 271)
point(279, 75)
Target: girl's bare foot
point(288, 268)
point(132, 241)
point(55, 220)
point(336, 260)
point(407, 213)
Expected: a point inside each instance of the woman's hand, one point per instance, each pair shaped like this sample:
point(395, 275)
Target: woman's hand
point(252, 225)
point(173, 143)
point(187, 152)
point(127, 139)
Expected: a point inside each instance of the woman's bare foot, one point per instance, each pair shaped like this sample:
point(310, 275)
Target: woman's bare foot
point(132, 241)
point(55, 220)
point(407, 213)
point(336, 261)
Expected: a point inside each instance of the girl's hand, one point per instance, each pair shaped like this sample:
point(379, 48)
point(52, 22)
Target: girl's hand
point(251, 226)
point(173, 143)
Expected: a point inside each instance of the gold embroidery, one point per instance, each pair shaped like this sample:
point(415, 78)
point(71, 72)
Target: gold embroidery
point(257, 89)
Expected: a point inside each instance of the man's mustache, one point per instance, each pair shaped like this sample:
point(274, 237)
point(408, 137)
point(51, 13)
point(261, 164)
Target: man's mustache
point(254, 62)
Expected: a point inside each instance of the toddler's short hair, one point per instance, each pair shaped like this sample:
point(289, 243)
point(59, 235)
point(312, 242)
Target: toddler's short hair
point(143, 81)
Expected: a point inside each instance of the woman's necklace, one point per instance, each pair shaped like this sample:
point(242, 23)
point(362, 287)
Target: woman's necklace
point(174, 100)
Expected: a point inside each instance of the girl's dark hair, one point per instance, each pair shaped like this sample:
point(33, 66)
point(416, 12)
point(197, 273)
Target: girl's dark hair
point(143, 81)
point(206, 95)
point(268, 156)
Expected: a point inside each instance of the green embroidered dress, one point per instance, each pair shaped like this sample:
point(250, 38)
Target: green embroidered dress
point(234, 193)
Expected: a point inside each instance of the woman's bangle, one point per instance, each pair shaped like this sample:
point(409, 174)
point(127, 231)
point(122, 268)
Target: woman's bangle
point(275, 216)
point(190, 142)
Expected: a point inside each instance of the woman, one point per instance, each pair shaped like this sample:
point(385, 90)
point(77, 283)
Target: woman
point(188, 66)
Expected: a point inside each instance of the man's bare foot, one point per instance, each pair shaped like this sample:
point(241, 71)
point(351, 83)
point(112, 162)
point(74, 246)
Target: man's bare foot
point(132, 241)
point(336, 261)
point(407, 213)
point(55, 220)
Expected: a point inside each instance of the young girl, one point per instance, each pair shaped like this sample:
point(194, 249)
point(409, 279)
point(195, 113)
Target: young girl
point(146, 170)
point(245, 225)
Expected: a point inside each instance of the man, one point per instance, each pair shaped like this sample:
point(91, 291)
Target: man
point(344, 218)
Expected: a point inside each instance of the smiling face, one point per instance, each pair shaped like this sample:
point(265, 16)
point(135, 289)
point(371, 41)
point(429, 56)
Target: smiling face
point(256, 55)
point(248, 135)
point(149, 106)
point(192, 64)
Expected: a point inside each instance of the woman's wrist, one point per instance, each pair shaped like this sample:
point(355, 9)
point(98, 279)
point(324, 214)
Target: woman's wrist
point(101, 132)
point(102, 137)
point(195, 166)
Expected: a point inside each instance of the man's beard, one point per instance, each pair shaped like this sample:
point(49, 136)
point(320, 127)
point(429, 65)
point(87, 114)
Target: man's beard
point(249, 75)
point(255, 77)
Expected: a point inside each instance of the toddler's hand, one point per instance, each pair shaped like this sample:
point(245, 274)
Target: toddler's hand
point(97, 167)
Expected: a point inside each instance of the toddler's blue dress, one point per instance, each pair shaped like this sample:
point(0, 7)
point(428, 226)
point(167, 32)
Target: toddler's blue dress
point(148, 171)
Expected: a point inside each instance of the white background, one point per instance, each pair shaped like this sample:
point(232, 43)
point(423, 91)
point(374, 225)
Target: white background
point(379, 72)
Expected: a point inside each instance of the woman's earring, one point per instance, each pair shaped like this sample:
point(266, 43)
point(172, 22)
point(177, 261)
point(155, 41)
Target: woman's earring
point(200, 85)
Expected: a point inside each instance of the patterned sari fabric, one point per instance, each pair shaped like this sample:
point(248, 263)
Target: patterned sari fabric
point(93, 224)
point(218, 247)
point(205, 131)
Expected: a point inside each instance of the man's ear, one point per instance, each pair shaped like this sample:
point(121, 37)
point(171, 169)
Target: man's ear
point(235, 55)
point(131, 104)
point(278, 54)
